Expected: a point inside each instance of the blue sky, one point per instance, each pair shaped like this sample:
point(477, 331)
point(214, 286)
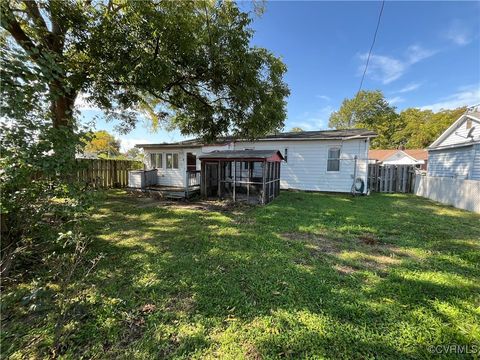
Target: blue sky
point(427, 55)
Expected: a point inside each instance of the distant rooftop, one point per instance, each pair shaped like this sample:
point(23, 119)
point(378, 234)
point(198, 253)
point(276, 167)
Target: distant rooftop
point(300, 135)
point(380, 154)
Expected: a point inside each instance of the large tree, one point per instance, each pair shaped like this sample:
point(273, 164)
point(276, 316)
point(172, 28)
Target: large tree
point(188, 64)
point(369, 110)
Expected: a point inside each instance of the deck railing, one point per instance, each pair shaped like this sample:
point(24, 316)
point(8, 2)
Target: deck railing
point(192, 181)
point(193, 178)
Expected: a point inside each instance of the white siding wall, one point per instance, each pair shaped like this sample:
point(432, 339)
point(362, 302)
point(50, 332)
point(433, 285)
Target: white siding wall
point(476, 163)
point(168, 177)
point(456, 162)
point(459, 135)
point(306, 168)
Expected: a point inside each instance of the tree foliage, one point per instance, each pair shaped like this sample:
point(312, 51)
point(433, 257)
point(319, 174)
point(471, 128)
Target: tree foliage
point(185, 64)
point(422, 127)
point(412, 128)
point(296, 129)
point(368, 110)
point(102, 143)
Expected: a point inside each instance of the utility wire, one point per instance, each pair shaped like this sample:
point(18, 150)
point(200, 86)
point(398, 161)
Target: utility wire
point(371, 48)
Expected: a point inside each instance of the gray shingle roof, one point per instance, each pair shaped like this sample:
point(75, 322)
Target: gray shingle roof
point(301, 135)
point(241, 154)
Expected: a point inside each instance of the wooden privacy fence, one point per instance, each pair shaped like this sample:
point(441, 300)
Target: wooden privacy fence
point(391, 178)
point(105, 173)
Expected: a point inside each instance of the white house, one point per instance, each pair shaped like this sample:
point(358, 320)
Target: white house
point(314, 160)
point(415, 157)
point(456, 153)
point(453, 175)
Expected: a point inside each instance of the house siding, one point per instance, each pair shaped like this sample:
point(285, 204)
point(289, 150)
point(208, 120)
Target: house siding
point(459, 135)
point(476, 163)
point(306, 168)
point(455, 162)
point(168, 177)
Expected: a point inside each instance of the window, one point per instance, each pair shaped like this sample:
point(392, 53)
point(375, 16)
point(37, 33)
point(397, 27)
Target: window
point(333, 162)
point(469, 124)
point(156, 161)
point(172, 161)
point(285, 155)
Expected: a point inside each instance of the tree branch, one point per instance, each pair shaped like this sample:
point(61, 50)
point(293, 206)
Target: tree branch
point(34, 13)
point(10, 23)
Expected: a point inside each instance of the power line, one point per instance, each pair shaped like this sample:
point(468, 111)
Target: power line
point(371, 47)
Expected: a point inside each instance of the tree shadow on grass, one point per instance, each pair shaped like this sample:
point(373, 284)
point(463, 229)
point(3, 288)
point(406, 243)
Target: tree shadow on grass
point(262, 282)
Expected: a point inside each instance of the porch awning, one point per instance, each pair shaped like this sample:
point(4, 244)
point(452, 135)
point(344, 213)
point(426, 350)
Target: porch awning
point(244, 155)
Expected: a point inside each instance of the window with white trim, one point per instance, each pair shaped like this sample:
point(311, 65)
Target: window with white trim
point(333, 162)
point(156, 160)
point(172, 160)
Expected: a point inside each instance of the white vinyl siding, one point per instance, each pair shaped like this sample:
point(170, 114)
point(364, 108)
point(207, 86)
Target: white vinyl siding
point(476, 163)
point(459, 135)
point(171, 176)
point(306, 168)
point(455, 162)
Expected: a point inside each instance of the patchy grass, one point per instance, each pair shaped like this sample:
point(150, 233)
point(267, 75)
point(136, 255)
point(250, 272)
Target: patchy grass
point(310, 275)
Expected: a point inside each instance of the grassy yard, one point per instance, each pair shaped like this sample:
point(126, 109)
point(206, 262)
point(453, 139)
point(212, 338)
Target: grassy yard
point(310, 275)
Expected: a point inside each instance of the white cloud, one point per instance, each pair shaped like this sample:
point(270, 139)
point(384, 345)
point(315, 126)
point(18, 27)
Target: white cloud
point(387, 69)
point(127, 143)
point(395, 100)
point(465, 96)
point(408, 88)
point(323, 97)
point(459, 33)
point(416, 53)
point(383, 68)
point(316, 121)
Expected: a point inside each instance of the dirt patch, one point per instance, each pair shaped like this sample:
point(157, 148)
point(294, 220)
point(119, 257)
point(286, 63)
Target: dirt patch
point(316, 244)
point(368, 239)
point(135, 323)
point(251, 352)
point(344, 269)
point(181, 303)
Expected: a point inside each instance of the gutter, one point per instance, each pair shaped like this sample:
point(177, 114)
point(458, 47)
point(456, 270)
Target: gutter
point(465, 144)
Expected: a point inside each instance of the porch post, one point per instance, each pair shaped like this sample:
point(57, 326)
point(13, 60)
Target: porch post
point(202, 179)
point(219, 177)
point(234, 178)
point(263, 181)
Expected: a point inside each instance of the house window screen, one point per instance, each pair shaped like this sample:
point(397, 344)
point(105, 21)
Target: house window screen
point(172, 161)
point(333, 162)
point(156, 161)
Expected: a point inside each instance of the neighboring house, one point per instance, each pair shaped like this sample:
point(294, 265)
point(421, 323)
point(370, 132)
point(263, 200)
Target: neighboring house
point(314, 160)
point(456, 153)
point(415, 157)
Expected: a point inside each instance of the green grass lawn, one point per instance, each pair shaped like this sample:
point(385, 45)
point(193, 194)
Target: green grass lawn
point(308, 276)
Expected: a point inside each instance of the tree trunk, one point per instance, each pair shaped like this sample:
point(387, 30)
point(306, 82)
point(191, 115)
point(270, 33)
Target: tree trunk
point(61, 106)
